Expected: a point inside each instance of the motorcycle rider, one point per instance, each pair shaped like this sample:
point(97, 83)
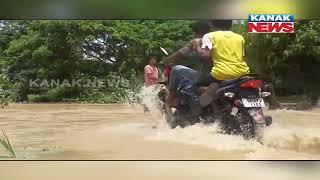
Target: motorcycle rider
point(225, 49)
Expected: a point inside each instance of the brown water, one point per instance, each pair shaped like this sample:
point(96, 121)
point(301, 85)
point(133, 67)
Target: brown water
point(119, 131)
point(160, 170)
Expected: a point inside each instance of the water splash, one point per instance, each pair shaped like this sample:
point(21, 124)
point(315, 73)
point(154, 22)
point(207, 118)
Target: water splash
point(204, 135)
point(292, 131)
point(279, 137)
point(148, 98)
point(294, 138)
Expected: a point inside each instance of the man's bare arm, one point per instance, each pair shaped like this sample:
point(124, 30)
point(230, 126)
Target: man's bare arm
point(173, 58)
point(184, 52)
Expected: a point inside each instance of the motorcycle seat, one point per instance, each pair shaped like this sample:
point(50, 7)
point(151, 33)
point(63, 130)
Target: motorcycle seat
point(232, 81)
point(226, 83)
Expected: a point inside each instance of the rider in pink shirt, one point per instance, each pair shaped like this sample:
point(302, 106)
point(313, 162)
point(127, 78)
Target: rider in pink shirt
point(151, 73)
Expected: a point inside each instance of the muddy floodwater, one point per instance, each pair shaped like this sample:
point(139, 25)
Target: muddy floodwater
point(123, 131)
point(159, 170)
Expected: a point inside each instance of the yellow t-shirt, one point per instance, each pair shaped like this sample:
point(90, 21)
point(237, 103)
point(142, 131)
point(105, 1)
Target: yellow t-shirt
point(227, 55)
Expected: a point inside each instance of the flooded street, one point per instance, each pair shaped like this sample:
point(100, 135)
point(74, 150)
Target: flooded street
point(120, 131)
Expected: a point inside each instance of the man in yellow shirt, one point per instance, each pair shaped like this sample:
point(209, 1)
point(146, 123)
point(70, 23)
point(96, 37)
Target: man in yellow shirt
point(227, 52)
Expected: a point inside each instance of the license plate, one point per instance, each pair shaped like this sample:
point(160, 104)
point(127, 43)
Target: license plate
point(253, 102)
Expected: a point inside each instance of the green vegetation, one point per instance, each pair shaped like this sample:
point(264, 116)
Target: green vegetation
point(87, 50)
point(4, 141)
point(84, 50)
point(4, 91)
point(291, 61)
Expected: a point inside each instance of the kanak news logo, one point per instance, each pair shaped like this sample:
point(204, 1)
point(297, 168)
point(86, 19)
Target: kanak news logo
point(270, 23)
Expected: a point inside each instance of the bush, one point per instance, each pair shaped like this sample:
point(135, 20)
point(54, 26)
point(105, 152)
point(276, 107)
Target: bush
point(4, 92)
point(4, 98)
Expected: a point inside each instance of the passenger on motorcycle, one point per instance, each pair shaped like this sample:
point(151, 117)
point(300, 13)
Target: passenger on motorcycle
point(190, 55)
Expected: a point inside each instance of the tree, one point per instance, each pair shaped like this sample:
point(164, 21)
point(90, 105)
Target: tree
point(54, 49)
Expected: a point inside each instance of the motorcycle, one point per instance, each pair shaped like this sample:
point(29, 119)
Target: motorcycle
point(237, 107)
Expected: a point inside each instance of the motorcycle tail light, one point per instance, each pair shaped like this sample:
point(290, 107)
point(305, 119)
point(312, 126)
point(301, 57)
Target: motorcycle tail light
point(255, 83)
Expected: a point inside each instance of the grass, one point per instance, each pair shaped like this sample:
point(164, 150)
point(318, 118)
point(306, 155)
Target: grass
point(4, 141)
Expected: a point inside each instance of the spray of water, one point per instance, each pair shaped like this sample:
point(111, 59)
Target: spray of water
point(285, 134)
point(204, 135)
point(148, 98)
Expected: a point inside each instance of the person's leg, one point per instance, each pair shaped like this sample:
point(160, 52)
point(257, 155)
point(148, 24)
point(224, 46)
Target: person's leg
point(206, 80)
point(181, 74)
point(210, 94)
point(174, 80)
point(182, 79)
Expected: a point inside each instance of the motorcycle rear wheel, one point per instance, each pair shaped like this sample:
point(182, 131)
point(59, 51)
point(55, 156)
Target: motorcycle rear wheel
point(242, 124)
